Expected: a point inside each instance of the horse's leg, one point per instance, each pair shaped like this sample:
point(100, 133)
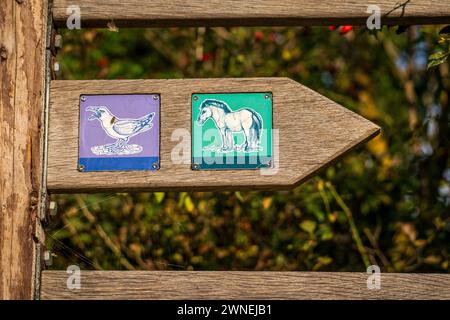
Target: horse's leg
point(229, 137)
point(247, 136)
point(224, 138)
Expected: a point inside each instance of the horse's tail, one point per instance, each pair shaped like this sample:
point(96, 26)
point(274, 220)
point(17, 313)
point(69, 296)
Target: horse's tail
point(257, 124)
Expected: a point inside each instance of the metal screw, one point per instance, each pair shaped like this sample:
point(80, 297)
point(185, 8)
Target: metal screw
point(195, 98)
point(155, 97)
point(195, 166)
point(269, 163)
point(81, 167)
point(155, 166)
point(56, 66)
point(48, 258)
point(53, 208)
point(83, 98)
point(267, 96)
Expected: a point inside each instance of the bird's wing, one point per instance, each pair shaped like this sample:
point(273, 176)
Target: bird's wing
point(127, 127)
point(130, 127)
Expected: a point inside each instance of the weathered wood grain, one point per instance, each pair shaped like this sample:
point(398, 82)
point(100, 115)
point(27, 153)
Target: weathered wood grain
point(313, 131)
point(161, 13)
point(22, 46)
point(243, 285)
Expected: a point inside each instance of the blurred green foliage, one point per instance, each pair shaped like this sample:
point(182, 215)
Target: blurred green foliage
point(386, 203)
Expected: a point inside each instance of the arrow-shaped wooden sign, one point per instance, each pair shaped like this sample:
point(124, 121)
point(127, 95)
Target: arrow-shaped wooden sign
point(203, 134)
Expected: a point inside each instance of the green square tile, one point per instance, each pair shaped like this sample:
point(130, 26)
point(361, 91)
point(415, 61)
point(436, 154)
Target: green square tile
point(231, 130)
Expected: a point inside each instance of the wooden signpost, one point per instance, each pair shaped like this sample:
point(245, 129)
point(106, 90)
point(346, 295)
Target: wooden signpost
point(141, 135)
point(312, 131)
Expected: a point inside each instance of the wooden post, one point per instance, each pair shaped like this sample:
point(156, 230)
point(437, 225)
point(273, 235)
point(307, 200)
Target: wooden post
point(22, 92)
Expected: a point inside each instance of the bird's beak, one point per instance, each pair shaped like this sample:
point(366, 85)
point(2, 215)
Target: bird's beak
point(95, 115)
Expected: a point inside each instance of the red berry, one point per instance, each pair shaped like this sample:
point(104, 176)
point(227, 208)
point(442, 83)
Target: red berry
point(332, 28)
point(102, 62)
point(207, 56)
point(259, 35)
point(345, 29)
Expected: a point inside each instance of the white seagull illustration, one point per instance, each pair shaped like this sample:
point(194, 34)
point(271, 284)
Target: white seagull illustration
point(120, 129)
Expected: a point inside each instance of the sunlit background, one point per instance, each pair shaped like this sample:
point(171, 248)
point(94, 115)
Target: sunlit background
point(387, 203)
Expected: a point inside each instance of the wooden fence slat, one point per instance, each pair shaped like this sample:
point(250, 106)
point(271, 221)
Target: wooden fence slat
point(313, 132)
point(162, 13)
point(22, 53)
point(243, 285)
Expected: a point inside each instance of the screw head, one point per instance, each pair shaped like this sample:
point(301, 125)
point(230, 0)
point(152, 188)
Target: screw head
point(83, 98)
point(155, 166)
point(58, 41)
point(48, 258)
point(155, 97)
point(53, 208)
point(81, 167)
point(267, 96)
point(269, 163)
point(195, 98)
point(195, 166)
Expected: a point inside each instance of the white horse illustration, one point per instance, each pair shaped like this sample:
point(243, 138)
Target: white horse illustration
point(228, 122)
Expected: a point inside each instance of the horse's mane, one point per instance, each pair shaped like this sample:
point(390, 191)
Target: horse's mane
point(216, 103)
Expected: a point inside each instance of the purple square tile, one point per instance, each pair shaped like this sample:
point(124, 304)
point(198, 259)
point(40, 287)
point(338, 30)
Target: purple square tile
point(119, 132)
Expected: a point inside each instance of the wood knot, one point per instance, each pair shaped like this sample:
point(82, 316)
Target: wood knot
point(20, 1)
point(3, 52)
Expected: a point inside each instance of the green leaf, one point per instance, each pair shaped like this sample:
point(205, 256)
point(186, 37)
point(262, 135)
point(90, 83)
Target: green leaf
point(373, 32)
point(308, 226)
point(437, 58)
point(325, 260)
point(189, 205)
point(438, 55)
point(239, 196)
point(159, 196)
